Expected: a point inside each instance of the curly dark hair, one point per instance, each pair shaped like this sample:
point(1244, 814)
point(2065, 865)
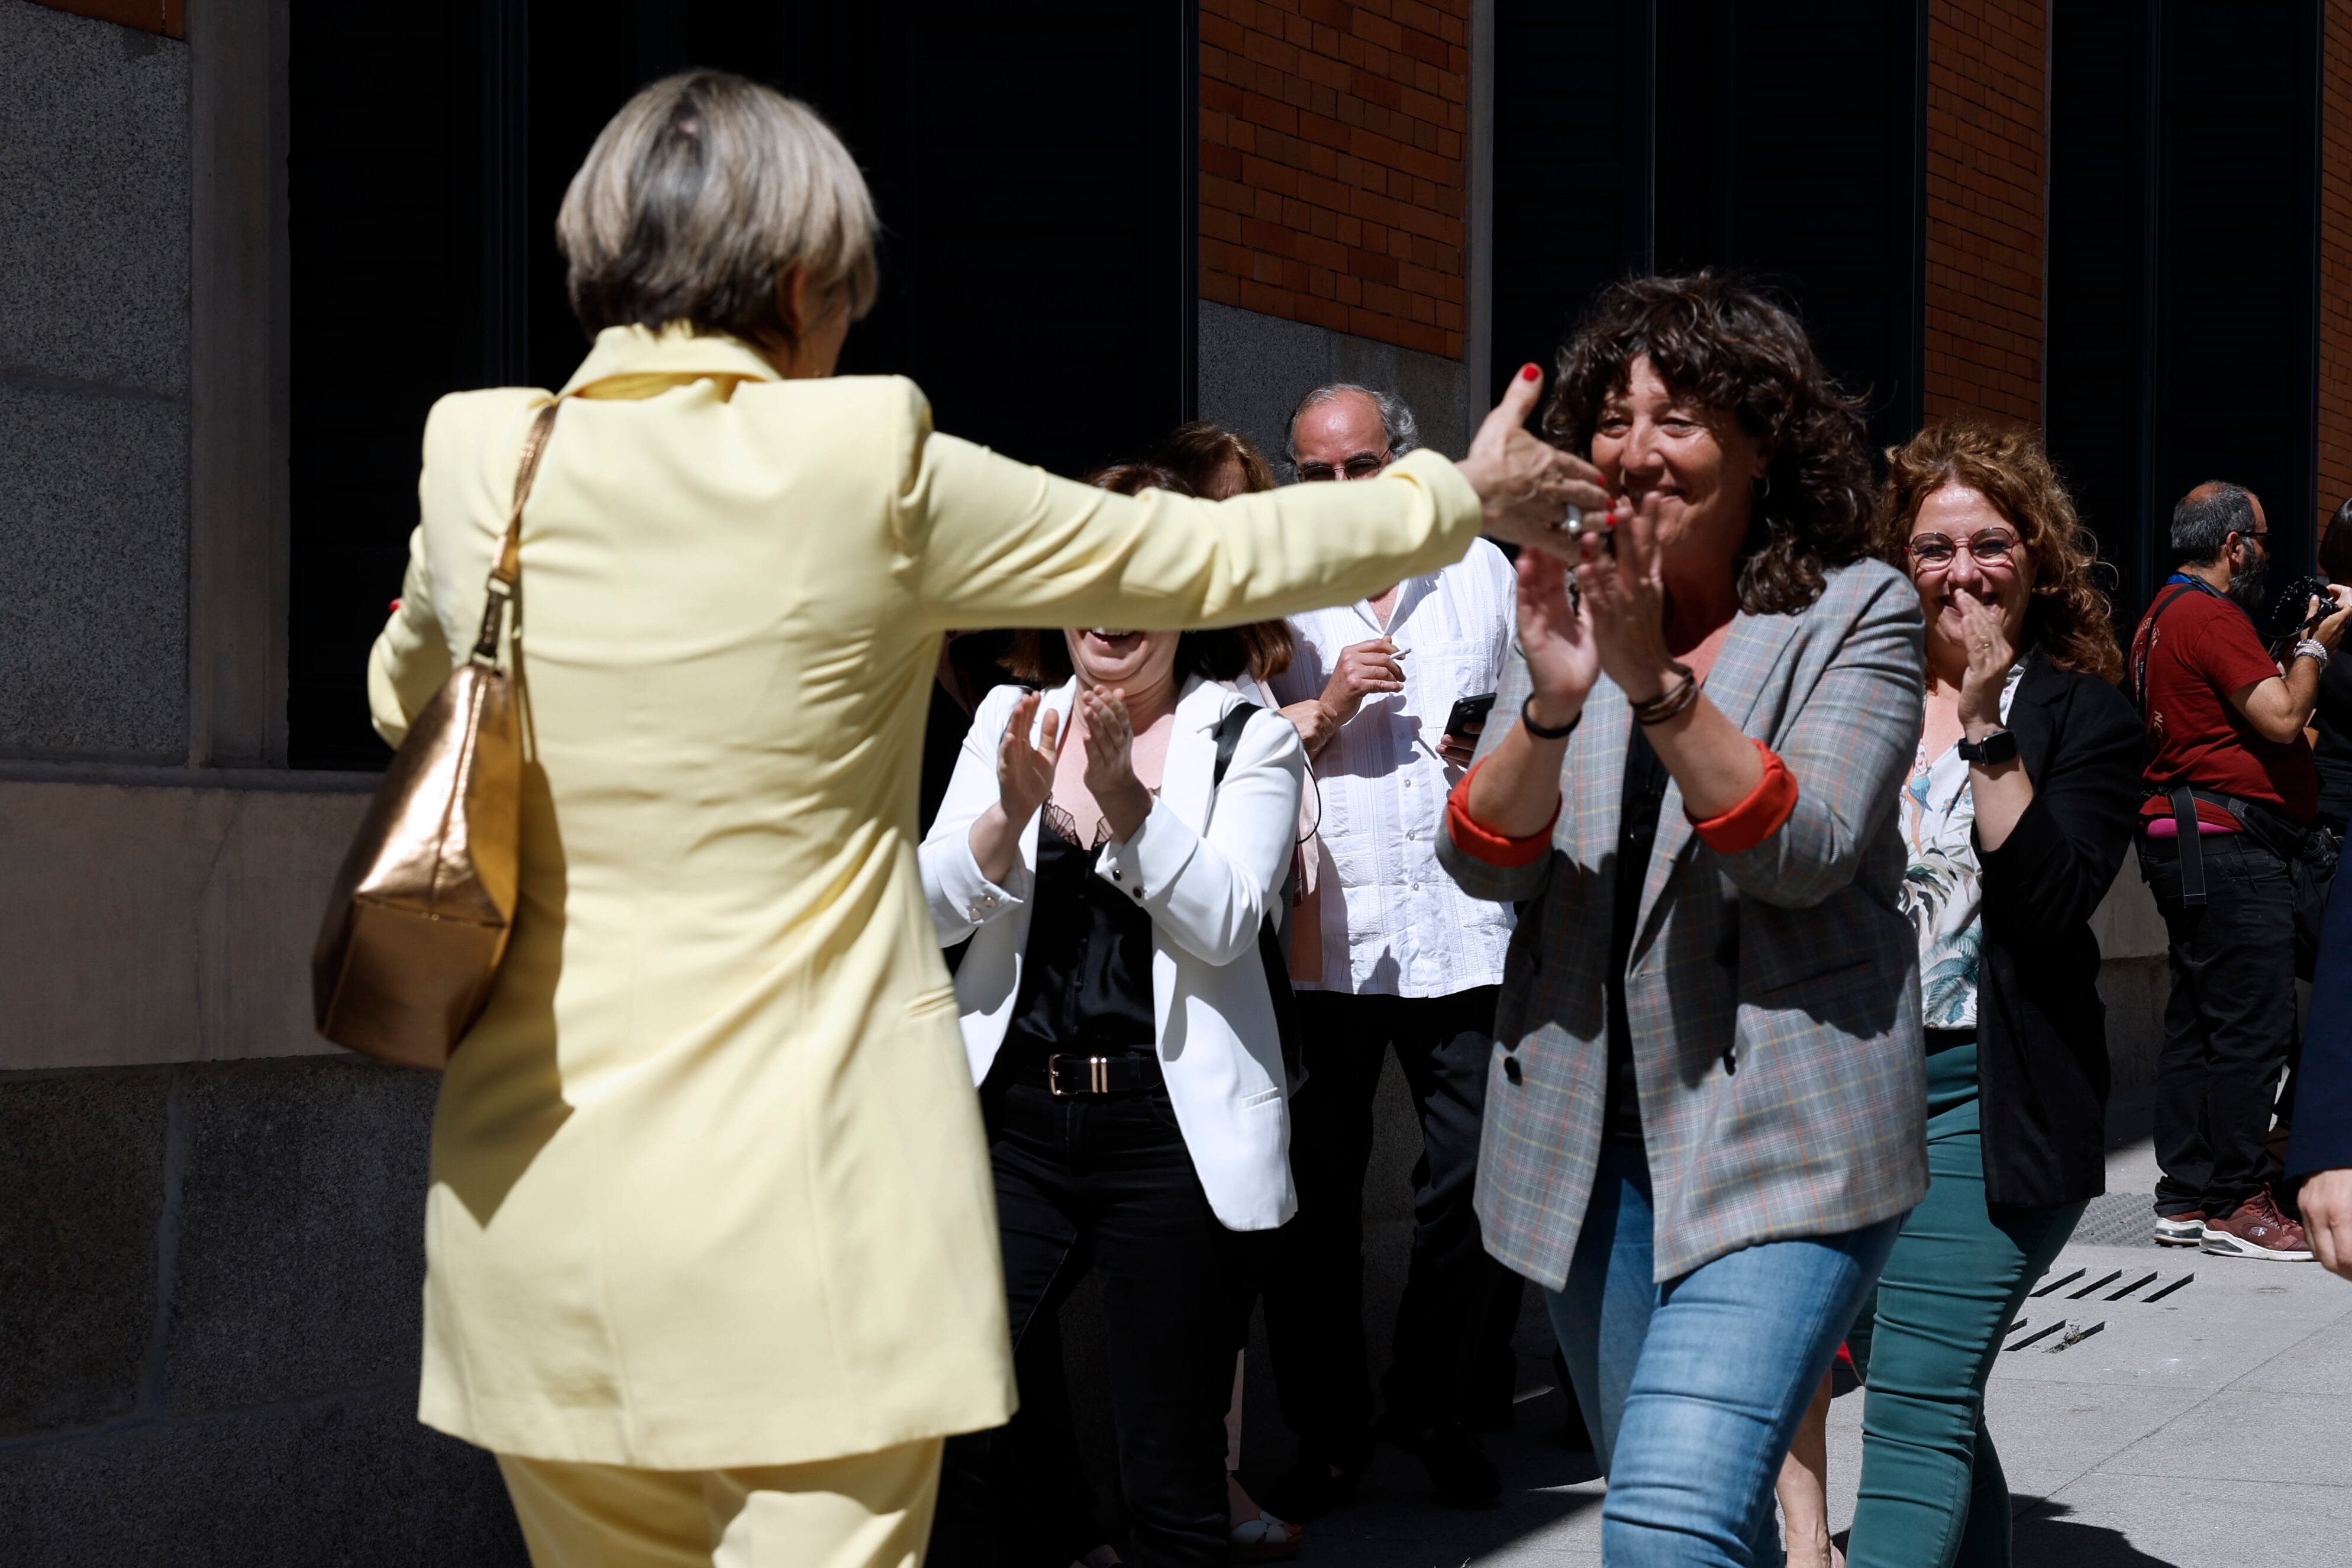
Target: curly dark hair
point(1263, 648)
point(2069, 616)
point(1728, 343)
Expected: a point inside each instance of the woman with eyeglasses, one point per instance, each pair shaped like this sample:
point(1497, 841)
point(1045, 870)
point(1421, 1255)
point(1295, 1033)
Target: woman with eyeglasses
point(2017, 809)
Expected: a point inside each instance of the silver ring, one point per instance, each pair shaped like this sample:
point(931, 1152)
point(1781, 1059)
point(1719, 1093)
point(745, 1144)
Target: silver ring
point(1571, 521)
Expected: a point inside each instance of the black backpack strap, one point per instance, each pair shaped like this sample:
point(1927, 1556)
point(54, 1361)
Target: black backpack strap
point(2145, 644)
point(1229, 738)
point(1272, 955)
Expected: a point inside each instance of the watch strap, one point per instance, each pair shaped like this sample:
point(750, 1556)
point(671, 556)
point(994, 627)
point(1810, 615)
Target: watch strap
point(1995, 749)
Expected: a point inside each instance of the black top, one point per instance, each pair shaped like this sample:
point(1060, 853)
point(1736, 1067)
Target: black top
point(1637, 830)
point(2042, 1037)
point(2333, 750)
point(1086, 979)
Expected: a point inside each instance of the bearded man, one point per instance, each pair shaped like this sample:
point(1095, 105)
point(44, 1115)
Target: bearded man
point(2232, 792)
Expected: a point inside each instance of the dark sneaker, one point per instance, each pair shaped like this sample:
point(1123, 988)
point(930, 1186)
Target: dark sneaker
point(1459, 1468)
point(2258, 1230)
point(2180, 1230)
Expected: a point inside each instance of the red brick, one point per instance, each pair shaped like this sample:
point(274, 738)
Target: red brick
point(1331, 167)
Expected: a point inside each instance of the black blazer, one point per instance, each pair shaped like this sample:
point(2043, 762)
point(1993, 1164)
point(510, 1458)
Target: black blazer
point(2041, 1032)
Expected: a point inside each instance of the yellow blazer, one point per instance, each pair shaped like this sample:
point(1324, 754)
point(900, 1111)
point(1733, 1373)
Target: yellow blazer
point(710, 1187)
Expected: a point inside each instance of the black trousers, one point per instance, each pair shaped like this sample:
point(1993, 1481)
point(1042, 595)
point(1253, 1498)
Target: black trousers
point(2229, 1025)
point(1105, 1183)
point(1315, 1287)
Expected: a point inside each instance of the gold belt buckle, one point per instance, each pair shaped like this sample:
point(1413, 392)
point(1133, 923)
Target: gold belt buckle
point(1097, 1076)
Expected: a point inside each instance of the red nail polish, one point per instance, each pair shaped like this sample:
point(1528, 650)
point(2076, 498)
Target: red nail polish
point(1529, 373)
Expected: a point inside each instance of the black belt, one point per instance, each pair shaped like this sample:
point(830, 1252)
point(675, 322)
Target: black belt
point(1123, 1074)
point(2263, 824)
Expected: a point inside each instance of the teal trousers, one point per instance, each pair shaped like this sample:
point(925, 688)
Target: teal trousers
point(1932, 1491)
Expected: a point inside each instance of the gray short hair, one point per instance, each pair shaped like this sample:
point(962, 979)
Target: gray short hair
point(1398, 426)
point(2206, 518)
point(698, 197)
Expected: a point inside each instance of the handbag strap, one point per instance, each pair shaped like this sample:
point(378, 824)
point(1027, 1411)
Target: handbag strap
point(506, 566)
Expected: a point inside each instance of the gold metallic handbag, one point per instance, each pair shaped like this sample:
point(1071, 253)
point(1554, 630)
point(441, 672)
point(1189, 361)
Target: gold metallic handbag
point(421, 911)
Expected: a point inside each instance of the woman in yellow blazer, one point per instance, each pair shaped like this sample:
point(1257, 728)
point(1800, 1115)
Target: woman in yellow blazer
point(712, 1259)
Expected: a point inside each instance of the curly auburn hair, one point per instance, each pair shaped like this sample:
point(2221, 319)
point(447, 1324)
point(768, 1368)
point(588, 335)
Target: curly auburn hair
point(2069, 616)
point(1727, 344)
point(1262, 649)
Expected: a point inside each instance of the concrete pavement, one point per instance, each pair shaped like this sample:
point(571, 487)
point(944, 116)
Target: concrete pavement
point(2121, 1448)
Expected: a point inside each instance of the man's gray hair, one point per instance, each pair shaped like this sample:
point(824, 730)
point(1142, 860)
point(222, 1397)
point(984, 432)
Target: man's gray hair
point(1398, 426)
point(2206, 518)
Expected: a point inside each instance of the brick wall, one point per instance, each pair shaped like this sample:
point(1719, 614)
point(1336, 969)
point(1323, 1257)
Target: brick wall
point(1332, 163)
point(2335, 259)
point(1987, 186)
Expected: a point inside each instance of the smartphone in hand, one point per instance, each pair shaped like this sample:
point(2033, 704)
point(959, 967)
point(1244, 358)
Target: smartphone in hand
point(1469, 711)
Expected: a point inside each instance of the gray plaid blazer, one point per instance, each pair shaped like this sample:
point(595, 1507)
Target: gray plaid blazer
point(1774, 995)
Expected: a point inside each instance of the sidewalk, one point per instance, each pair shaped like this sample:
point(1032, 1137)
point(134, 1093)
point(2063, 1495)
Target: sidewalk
point(2118, 1447)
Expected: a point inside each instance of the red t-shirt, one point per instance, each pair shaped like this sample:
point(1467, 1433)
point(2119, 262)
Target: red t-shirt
point(2198, 651)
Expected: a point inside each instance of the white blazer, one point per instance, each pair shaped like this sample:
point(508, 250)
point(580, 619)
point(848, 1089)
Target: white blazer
point(1208, 880)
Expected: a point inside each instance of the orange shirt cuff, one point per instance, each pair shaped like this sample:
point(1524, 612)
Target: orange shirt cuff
point(1757, 817)
point(1484, 844)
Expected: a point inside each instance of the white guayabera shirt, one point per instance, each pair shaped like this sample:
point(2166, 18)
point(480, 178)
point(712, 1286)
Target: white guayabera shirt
point(1394, 924)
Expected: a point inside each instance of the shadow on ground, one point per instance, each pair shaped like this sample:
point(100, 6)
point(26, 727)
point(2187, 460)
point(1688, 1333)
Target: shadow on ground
point(2045, 1538)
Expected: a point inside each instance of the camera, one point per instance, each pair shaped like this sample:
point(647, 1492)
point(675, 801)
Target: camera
point(2291, 617)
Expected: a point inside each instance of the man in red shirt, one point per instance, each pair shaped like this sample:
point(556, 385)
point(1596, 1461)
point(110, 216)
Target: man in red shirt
point(2232, 792)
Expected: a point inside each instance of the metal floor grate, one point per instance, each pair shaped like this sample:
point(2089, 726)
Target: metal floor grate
point(2119, 1219)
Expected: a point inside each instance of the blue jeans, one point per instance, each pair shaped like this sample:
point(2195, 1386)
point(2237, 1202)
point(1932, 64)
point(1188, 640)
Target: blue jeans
point(1692, 1389)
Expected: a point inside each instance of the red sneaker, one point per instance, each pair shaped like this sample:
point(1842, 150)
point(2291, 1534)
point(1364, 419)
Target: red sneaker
point(2180, 1230)
point(2258, 1230)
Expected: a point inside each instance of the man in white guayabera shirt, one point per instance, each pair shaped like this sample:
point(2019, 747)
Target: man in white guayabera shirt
point(1409, 964)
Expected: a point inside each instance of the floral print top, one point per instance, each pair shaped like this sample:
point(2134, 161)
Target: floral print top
point(1939, 886)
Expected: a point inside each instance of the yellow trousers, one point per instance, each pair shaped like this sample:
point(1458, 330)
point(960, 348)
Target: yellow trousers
point(867, 1510)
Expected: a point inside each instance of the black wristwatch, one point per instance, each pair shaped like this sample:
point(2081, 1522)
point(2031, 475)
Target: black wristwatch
point(1995, 749)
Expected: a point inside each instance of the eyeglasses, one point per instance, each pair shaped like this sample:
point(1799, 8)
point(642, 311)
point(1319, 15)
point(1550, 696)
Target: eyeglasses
point(1933, 551)
point(1362, 466)
point(2260, 537)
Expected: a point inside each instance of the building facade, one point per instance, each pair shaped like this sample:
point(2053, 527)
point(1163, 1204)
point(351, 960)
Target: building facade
point(244, 248)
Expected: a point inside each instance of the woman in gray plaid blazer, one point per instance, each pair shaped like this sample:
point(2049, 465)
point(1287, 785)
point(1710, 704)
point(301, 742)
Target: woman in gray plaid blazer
point(1705, 1119)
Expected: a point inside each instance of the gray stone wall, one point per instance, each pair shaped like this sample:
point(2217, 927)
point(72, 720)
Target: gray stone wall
point(1253, 369)
point(94, 164)
point(210, 1320)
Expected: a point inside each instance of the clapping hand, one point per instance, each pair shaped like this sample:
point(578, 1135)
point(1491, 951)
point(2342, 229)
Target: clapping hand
point(1110, 759)
point(1025, 777)
point(1621, 578)
point(1024, 773)
point(1556, 636)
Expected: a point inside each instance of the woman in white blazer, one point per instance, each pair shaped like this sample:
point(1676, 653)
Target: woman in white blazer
point(1117, 1016)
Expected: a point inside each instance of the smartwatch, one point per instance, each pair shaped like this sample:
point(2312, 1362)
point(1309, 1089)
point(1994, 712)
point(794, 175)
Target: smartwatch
point(1995, 749)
